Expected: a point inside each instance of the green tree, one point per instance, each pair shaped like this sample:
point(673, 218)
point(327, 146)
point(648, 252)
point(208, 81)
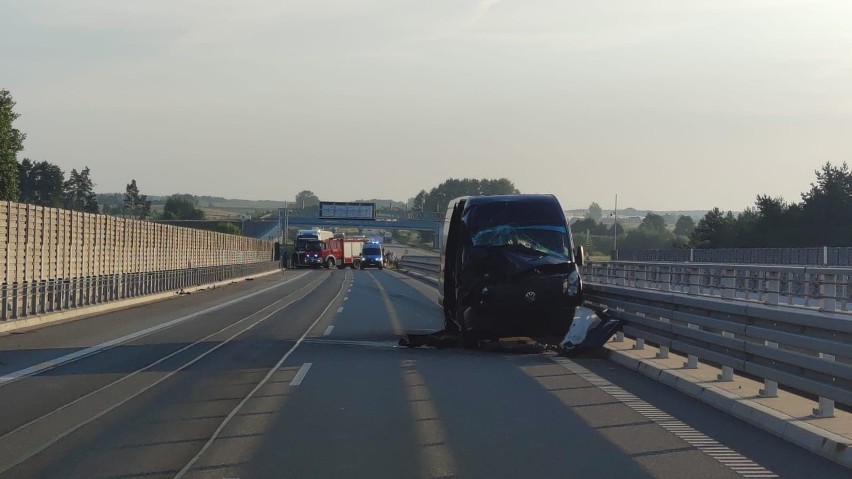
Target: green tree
point(419, 201)
point(136, 205)
point(437, 198)
point(40, 183)
point(179, 207)
point(595, 212)
point(653, 223)
point(647, 238)
point(11, 142)
point(715, 230)
point(307, 199)
point(227, 228)
point(78, 192)
point(826, 208)
point(684, 226)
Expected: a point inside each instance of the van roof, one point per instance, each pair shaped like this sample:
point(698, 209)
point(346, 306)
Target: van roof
point(478, 200)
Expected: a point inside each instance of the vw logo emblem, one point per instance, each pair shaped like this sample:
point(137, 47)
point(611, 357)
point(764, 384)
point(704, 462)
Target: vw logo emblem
point(530, 296)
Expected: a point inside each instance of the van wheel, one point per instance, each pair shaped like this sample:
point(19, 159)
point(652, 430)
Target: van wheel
point(329, 263)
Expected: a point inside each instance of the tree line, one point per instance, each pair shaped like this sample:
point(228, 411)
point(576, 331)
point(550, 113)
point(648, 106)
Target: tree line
point(42, 183)
point(823, 217)
point(437, 198)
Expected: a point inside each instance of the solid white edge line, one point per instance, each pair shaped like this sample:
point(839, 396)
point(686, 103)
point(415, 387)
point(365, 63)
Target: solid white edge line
point(134, 373)
point(91, 350)
point(106, 411)
point(262, 382)
point(695, 439)
point(300, 376)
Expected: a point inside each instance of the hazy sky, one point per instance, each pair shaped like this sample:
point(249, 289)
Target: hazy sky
point(675, 104)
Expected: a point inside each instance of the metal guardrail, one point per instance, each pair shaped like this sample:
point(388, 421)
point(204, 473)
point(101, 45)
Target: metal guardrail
point(21, 300)
point(827, 289)
point(800, 347)
point(424, 264)
point(806, 350)
point(814, 256)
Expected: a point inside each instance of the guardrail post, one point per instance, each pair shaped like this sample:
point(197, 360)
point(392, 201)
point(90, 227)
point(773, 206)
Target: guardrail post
point(826, 406)
point(773, 288)
point(727, 371)
point(621, 276)
point(663, 353)
point(770, 387)
point(694, 279)
point(729, 283)
point(828, 291)
point(691, 362)
point(24, 311)
point(42, 295)
point(640, 344)
point(15, 300)
point(4, 294)
point(666, 278)
point(619, 337)
point(641, 277)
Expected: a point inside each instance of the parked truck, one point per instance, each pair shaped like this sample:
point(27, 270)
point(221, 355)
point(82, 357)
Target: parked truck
point(311, 247)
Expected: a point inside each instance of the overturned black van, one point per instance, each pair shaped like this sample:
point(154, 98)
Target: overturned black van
point(508, 267)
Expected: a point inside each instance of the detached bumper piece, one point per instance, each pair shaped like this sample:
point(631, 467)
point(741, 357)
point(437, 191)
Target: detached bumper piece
point(590, 329)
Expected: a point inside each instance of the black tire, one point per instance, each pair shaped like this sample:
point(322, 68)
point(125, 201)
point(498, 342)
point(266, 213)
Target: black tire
point(362, 267)
point(381, 267)
point(329, 263)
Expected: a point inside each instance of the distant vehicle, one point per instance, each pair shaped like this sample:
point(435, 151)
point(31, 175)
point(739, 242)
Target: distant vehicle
point(508, 267)
point(371, 256)
point(310, 248)
point(388, 237)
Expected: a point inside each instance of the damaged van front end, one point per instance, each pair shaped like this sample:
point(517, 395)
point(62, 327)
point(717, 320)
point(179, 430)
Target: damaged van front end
point(509, 267)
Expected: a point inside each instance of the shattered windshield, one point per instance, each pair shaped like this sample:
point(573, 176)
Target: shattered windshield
point(534, 226)
point(544, 239)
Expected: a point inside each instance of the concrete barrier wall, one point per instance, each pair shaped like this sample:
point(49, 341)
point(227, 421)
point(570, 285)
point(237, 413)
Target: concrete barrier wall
point(43, 244)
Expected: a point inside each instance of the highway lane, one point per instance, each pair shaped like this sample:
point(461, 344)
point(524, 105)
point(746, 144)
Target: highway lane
point(347, 401)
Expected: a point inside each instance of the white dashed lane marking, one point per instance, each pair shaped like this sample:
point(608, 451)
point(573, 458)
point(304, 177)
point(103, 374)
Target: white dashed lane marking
point(726, 456)
point(300, 376)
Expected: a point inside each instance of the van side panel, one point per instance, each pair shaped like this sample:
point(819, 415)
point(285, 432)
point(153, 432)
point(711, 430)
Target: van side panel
point(454, 209)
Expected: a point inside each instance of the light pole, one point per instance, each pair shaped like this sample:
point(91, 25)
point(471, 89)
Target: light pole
point(438, 203)
point(615, 229)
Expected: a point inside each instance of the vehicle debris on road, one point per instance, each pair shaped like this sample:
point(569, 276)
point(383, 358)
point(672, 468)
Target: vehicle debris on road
point(590, 329)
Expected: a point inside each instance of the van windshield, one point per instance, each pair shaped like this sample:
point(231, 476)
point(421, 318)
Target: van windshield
point(372, 250)
point(534, 226)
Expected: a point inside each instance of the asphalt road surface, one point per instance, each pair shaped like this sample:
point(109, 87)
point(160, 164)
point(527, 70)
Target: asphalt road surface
point(297, 375)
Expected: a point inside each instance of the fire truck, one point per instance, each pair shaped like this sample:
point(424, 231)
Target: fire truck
point(343, 252)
